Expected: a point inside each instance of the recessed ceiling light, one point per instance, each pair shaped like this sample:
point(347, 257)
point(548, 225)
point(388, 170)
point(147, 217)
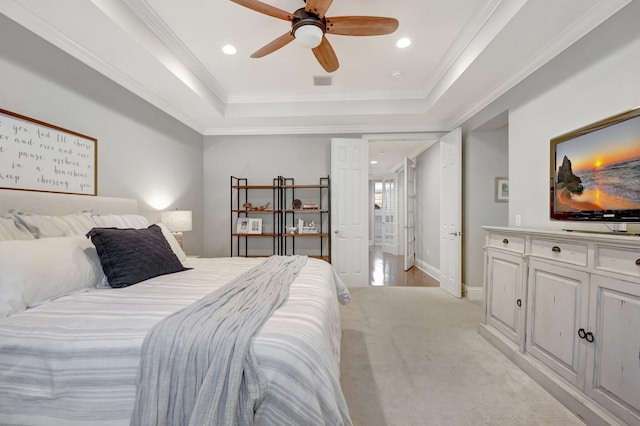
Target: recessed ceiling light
point(395, 74)
point(229, 49)
point(403, 42)
point(374, 162)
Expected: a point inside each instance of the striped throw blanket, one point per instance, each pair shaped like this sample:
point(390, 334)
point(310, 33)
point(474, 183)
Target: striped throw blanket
point(198, 366)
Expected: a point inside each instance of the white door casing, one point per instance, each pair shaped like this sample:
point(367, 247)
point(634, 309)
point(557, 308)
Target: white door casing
point(451, 213)
point(409, 213)
point(349, 216)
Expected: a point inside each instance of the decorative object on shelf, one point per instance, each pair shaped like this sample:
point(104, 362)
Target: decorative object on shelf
point(297, 204)
point(250, 207)
point(243, 225)
point(178, 221)
point(310, 205)
point(255, 226)
point(293, 229)
point(306, 227)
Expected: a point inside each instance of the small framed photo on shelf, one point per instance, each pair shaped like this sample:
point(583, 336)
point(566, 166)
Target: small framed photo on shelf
point(243, 225)
point(255, 226)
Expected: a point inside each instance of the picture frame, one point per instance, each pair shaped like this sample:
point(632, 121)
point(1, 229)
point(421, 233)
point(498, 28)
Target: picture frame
point(502, 190)
point(44, 157)
point(242, 226)
point(255, 226)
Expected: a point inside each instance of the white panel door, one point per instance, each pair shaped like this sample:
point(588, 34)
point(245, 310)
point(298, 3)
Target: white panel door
point(349, 205)
point(451, 213)
point(390, 215)
point(409, 213)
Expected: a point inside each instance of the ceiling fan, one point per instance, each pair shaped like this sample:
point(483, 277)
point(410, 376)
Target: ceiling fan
point(309, 26)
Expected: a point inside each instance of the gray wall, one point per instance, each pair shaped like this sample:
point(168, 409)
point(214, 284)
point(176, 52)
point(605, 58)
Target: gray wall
point(485, 157)
point(142, 152)
point(604, 82)
point(259, 159)
point(594, 78)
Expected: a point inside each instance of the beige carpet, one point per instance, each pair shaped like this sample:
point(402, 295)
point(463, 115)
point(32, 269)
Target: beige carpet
point(413, 356)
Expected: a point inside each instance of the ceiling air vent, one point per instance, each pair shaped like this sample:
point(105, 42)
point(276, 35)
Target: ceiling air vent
point(325, 80)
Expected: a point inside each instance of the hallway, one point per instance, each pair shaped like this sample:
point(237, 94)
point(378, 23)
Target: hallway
point(388, 270)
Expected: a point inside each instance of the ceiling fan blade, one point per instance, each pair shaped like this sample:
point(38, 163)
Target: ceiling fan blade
point(258, 6)
point(319, 7)
point(361, 25)
point(276, 44)
point(326, 56)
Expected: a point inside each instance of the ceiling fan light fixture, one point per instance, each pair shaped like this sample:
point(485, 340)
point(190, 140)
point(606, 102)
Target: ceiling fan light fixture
point(309, 36)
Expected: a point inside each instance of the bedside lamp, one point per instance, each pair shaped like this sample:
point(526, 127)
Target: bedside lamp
point(178, 221)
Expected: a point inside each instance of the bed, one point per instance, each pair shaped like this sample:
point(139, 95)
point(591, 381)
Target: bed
point(73, 357)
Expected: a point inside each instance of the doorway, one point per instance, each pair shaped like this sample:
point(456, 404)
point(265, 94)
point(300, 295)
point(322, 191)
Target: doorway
point(387, 216)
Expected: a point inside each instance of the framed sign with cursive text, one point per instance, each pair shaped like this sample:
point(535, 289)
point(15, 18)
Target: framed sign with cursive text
point(37, 156)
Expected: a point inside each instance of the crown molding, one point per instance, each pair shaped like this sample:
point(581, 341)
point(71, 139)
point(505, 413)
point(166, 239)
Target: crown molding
point(211, 88)
point(579, 28)
point(18, 13)
point(325, 129)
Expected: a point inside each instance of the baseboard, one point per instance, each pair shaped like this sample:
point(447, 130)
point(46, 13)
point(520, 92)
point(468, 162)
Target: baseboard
point(432, 271)
point(471, 293)
point(574, 400)
point(475, 294)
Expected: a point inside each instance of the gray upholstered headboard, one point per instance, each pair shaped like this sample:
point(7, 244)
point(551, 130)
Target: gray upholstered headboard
point(61, 204)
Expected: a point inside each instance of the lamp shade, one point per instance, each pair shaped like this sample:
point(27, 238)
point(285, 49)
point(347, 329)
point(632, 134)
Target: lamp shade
point(309, 36)
point(177, 220)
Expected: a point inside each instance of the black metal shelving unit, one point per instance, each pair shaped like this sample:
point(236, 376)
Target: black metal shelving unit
point(284, 215)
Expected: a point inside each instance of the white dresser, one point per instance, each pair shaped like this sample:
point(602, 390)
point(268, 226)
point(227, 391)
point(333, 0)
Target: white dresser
point(565, 307)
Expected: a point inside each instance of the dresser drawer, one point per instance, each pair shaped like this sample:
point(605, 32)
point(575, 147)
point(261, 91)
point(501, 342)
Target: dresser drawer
point(560, 251)
point(509, 242)
point(616, 259)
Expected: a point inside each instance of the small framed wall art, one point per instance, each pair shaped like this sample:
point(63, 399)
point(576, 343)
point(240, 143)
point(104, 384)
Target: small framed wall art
point(502, 189)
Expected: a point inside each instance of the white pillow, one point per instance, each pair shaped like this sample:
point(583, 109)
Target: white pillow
point(123, 221)
point(42, 226)
point(12, 230)
point(175, 246)
point(36, 271)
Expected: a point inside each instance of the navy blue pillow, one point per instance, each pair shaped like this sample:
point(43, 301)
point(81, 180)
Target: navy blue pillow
point(129, 256)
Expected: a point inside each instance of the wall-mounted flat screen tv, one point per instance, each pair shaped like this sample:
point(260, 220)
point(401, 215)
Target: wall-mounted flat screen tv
point(595, 171)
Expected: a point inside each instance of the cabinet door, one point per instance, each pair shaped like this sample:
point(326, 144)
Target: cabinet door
point(613, 362)
point(556, 311)
point(505, 293)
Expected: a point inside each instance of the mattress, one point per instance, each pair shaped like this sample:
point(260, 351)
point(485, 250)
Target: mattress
point(74, 360)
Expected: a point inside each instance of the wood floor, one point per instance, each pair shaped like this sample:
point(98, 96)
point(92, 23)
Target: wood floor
point(386, 269)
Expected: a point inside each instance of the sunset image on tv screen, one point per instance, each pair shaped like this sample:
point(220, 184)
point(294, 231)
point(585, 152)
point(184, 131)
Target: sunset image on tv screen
point(599, 170)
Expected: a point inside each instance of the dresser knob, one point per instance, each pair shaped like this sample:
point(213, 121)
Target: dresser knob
point(505, 241)
point(637, 262)
point(555, 249)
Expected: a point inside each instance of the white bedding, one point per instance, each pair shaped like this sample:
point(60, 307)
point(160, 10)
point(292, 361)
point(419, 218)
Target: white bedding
point(74, 360)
